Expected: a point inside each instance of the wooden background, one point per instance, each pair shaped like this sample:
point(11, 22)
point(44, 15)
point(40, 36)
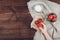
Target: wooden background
point(15, 20)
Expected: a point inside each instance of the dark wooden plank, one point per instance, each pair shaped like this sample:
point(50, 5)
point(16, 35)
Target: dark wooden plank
point(12, 28)
point(57, 1)
point(13, 2)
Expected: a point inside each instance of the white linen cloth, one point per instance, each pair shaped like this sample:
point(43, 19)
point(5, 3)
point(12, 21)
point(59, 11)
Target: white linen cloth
point(50, 7)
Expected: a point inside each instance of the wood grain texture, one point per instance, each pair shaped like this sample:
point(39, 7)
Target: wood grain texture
point(13, 2)
point(15, 23)
point(15, 20)
point(57, 1)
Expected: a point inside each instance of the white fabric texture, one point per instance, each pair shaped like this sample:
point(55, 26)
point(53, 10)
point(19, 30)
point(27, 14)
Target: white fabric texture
point(51, 7)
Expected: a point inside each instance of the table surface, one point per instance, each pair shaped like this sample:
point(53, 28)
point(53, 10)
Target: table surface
point(15, 20)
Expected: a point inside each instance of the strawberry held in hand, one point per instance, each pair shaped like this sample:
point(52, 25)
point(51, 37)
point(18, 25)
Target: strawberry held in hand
point(39, 23)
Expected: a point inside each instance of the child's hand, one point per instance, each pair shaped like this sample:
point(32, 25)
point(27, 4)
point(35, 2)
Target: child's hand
point(33, 24)
point(44, 29)
point(41, 26)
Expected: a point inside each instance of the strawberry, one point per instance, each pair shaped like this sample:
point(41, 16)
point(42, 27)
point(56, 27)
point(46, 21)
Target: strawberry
point(52, 17)
point(39, 23)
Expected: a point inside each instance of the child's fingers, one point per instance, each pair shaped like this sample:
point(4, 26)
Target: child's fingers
point(44, 25)
point(34, 26)
point(40, 28)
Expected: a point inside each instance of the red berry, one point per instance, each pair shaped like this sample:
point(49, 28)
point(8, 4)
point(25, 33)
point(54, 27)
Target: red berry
point(39, 23)
point(52, 17)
